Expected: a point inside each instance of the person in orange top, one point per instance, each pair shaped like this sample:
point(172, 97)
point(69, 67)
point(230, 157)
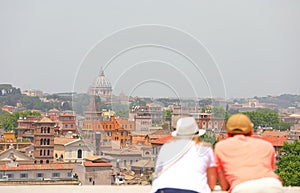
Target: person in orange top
point(244, 163)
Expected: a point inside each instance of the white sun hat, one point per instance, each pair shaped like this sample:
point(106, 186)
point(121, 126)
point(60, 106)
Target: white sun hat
point(188, 127)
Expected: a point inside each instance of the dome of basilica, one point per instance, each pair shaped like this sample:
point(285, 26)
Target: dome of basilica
point(101, 81)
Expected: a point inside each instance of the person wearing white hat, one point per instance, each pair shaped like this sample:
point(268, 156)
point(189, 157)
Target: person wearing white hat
point(185, 164)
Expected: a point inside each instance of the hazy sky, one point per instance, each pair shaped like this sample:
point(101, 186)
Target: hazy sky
point(153, 48)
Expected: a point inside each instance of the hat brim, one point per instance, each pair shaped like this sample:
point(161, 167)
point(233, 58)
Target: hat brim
point(200, 132)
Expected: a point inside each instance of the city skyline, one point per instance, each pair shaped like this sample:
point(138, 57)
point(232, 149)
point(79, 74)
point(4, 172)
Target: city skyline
point(239, 49)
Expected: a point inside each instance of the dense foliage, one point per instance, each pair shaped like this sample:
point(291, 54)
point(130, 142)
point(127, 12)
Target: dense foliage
point(167, 114)
point(289, 164)
point(11, 96)
point(267, 118)
point(122, 113)
point(10, 121)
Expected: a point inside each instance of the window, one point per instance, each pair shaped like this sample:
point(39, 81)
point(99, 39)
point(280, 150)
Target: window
point(41, 152)
point(66, 125)
point(41, 161)
point(42, 130)
point(47, 161)
point(48, 152)
point(125, 163)
point(203, 125)
point(209, 124)
point(69, 174)
point(131, 162)
point(41, 142)
point(216, 124)
point(23, 175)
point(10, 176)
point(55, 175)
point(48, 141)
point(40, 175)
point(48, 129)
point(1, 176)
point(79, 153)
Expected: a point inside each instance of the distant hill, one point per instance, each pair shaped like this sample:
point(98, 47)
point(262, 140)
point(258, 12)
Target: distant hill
point(283, 101)
point(12, 96)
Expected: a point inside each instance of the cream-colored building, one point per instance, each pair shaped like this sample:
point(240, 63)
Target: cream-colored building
point(71, 150)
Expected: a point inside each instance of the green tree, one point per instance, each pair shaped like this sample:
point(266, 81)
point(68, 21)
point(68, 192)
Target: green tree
point(167, 113)
point(10, 121)
point(264, 118)
point(219, 112)
point(209, 138)
point(122, 113)
point(289, 164)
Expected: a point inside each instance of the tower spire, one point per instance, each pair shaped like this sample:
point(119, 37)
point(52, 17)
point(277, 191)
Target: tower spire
point(101, 71)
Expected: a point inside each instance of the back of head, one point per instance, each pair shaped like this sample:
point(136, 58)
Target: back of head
point(239, 124)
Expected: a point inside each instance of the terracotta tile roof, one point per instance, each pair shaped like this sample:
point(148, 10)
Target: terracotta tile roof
point(162, 140)
point(275, 133)
point(63, 140)
point(92, 164)
point(276, 141)
point(54, 166)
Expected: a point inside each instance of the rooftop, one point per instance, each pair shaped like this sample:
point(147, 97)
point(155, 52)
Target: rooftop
point(57, 166)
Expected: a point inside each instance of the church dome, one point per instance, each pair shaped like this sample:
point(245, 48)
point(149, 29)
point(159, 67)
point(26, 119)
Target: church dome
point(101, 81)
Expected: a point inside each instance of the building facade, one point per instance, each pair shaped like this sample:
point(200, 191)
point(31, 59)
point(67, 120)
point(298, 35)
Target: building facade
point(44, 141)
point(104, 130)
point(25, 129)
point(71, 150)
